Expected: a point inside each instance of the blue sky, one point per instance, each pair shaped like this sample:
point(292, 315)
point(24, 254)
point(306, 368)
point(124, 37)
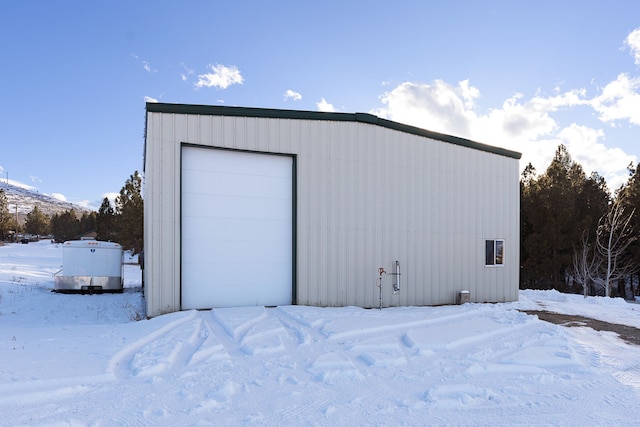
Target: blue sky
point(521, 75)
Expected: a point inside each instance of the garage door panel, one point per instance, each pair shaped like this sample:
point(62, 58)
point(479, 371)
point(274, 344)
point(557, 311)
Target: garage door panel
point(245, 253)
point(237, 275)
point(254, 295)
point(236, 207)
point(226, 229)
point(226, 162)
point(236, 284)
point(249, 185)
point(237, 228)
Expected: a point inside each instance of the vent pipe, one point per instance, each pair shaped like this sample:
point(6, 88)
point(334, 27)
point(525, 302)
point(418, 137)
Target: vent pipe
point(396, 285)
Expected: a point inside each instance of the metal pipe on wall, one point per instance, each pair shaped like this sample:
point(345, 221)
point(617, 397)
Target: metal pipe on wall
point(396, 285)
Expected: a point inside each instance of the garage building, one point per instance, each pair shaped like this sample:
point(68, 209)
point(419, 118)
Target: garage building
point(252, 206)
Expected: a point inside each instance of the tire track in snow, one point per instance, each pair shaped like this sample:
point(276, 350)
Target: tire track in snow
point(376, 330)
point(623, 361)
point(160, 350)
point(354, 352)
point(250, 330)
point(626, 367)
point(210, 349)
point(303, 332)
point(629, 376)
point(225, 337)
point(319, 364)
point(28, 392)
point(295, 414)
point(157, 352)
point(237, 322)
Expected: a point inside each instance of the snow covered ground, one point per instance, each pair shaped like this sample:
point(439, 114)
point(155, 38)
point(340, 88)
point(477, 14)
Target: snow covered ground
point(84, 360)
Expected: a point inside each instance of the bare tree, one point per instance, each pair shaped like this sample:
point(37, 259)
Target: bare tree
point(614, 236)
point(587, 264)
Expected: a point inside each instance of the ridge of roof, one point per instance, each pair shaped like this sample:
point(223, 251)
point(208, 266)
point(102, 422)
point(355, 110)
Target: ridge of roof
point(219, 110)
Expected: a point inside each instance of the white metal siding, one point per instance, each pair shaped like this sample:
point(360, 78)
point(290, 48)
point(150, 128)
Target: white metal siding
point(162, 216)
point(366, 197)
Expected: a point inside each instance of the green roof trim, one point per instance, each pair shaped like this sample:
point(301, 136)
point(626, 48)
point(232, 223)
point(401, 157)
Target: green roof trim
point(218, 110)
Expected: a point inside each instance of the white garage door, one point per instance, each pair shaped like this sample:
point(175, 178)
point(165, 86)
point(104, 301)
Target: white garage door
point(236, 228)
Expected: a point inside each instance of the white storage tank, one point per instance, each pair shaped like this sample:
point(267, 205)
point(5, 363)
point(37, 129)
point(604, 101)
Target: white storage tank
point(90, 266)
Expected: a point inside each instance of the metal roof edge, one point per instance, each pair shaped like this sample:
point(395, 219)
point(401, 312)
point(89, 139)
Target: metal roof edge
point(220, 110)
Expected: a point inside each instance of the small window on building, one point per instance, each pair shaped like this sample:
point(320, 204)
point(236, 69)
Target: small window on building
point(494, 252)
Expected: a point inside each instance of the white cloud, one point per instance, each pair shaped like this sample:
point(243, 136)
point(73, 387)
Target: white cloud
point(293, 95)
point(187, 72)
point(437, 107)
point(59, 196)
point(324, 106)
point(619, 100)
point(469, 93)
point(585, 148)
point(150, 99)
point(145, 64)
point(221, 78)
point(633, 42)
point(524, 125)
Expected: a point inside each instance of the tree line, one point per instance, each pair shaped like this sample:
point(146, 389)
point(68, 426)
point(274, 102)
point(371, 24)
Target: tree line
point(122, 223)
point(576, 235)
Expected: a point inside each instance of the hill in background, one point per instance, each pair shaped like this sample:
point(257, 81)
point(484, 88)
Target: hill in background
point(25, 200)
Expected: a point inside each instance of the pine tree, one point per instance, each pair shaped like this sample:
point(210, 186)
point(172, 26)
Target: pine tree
point(105, 221)
point(129, 214)
point(7, 221)
point(87, 223)
point(36, 222)
point(65, 226)
point(558, 207)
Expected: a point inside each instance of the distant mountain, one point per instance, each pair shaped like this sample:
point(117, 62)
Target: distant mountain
point(26, 200)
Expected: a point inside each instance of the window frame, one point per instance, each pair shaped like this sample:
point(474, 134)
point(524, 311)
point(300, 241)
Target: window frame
point(494, 252)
